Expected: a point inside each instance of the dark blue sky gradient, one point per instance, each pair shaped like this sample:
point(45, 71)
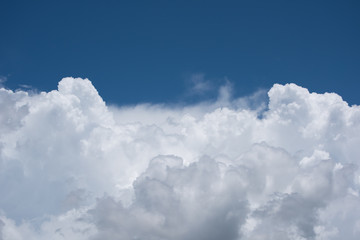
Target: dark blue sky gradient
point(145, 51)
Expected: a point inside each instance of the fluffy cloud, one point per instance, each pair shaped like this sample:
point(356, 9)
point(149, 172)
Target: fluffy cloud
point(72, 167)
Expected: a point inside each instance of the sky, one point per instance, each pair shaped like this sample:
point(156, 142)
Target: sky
point(154, 48)
point(178, 120)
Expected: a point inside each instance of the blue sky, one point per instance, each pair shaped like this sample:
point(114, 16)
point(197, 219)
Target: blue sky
point(148, 51)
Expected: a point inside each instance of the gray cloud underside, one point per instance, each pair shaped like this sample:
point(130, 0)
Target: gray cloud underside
point(72, 167)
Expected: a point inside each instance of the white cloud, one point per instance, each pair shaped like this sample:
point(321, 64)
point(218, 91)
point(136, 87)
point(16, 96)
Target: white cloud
point(199, 84)
point(72, 167)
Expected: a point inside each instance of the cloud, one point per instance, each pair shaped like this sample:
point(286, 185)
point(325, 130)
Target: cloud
point(73, 167)
point(172, 201)
point(3, 79)
point(199, 84)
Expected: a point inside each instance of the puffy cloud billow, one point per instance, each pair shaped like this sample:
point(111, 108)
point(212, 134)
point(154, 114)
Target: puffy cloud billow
point(72, 167)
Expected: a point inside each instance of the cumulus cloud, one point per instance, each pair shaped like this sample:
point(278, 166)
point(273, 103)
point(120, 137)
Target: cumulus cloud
point(72, 167)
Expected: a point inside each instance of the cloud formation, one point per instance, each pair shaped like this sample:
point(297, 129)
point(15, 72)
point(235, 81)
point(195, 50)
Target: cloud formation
point(72, 167)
